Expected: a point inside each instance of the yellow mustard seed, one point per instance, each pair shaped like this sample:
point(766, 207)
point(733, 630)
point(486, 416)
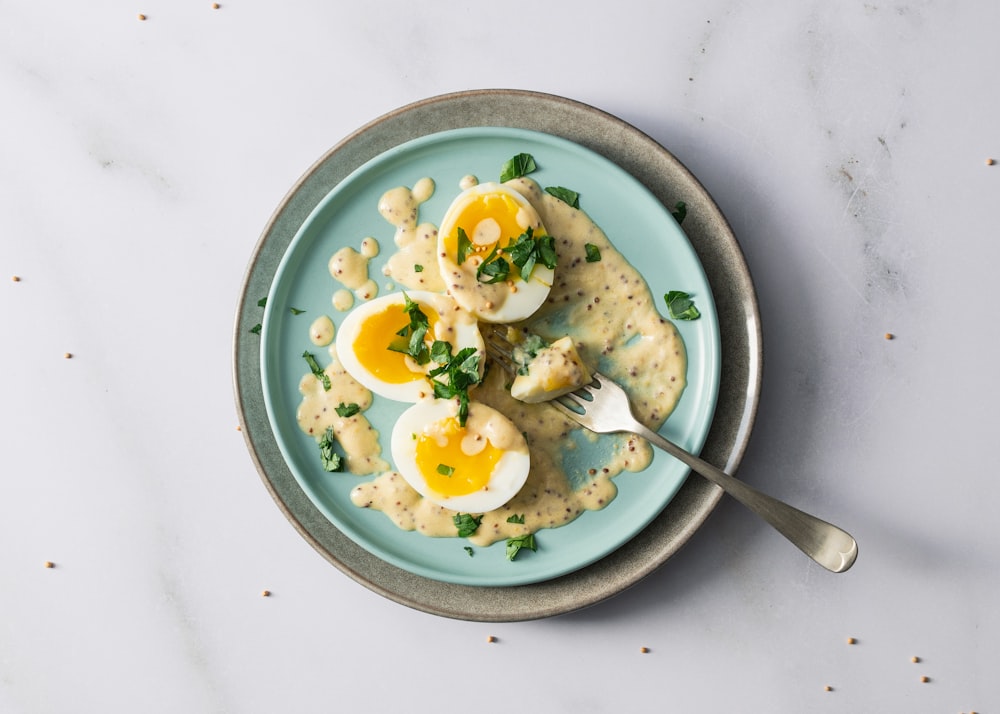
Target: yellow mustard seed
point(141, 17)
point(68, 355)
point(990, 162)
point(851, 641)
point(49, 564)
point(644, 650)
point(215, 6)
point(828, 688)
point(889, 336)
point(925, 679)
point(491, 638)
point(265, 593)
point(15, 278)
point(914, 659)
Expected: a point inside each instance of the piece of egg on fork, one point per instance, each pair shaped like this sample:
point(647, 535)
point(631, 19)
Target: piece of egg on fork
point(365, 338)
point(491, 215)
point(471, 469)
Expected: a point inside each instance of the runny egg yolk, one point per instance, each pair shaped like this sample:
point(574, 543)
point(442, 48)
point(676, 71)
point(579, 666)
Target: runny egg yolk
point(445, 465)
point(487, 219)
point(375, 334)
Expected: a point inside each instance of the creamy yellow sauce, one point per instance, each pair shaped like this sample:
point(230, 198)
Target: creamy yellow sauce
point(318, 411)
point(414, 264)
point(350, 268)
point(610, 314)
point(321, 331)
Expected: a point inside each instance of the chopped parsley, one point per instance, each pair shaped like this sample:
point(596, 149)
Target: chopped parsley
point(516, 519)
point(460, 370)
point(347, 410)
point(317, 370)
point(466, 524)
point(411, 337)
point(296, 311)
point(593, 253)
point(256, 329)
point(469, 550)
point(518, 166)
point(681, 306)
point(464, 245)
point(680, 211)
point(418, 268)
point(494, 267)
point(525, 252)
point(514, 545)
point(445, 469)
point(328, 457)
point(262, 302)
point(565, 195)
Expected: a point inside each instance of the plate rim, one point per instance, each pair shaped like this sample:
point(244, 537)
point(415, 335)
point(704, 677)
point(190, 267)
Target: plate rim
point(722, 260)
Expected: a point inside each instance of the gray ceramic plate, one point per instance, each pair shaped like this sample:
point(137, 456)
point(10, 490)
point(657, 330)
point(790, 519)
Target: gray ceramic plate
point(731, 286)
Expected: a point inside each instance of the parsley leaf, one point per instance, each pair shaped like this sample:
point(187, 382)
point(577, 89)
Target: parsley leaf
point(464, 246)
point(470, 551)
point(494, 267)
point(418, 268)
point(445, 469)
point(256, 329)
point(565, 195)
point(461, 372)
point(413, 334)
point(347, 410)
point(593, 253)
point(317, 370)
point(466, 524)
point(262, 302)
point(518, 166)
point(526, 250)
point(681, 306)
point(329, 458)
point(514, 545)
point(516, 519)
point(680, 211)
point(296, 311)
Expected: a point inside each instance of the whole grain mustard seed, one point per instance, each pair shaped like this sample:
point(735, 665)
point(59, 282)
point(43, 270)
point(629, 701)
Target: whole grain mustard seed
point(644, 650)
point(141, 17)
point(990, 162)
point(851, 641)
point(68, 355)
point(914, 659)
point(215, 6)
point(889, 336)
point(491, 638)
point(265, 593)
point(925, 679)
point(828, 688)
point(49, 564)
point(15, 278)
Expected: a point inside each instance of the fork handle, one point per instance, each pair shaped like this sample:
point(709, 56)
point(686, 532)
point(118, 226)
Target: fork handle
point(828, 545)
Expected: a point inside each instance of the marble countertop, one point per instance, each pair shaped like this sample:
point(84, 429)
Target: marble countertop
point(144, 148)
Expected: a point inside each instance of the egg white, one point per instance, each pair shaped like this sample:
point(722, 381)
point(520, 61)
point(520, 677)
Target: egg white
point(454, 326)
point(508, 474)
point(490, 303)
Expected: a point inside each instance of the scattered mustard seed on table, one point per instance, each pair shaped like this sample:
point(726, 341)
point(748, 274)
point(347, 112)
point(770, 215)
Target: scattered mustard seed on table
point(889, 336)
point(925, 679)
point(491, 638)
point(215, 6)
point(141, 17)
point(990, 162)
point(914, 659)
point(15, 278)
point(49, 564)
point(851, 641)
point(644, 650)
point(265, 593)
point(828, 688)
point(68, 355)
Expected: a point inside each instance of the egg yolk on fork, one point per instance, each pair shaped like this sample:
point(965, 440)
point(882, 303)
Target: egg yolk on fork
point(488, 219)
point(445, 465)
point(377, 332)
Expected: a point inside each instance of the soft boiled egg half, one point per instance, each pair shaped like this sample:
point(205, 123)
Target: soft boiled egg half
point(473, 468)
point(479, 225)
point(373, 342)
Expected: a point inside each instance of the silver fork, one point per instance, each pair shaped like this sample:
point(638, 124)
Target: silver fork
point(603, 406)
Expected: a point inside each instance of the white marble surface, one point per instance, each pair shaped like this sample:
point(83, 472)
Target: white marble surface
point(139, 162)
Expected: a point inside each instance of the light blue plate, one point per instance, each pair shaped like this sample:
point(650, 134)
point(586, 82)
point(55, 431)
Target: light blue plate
point(636, 223)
